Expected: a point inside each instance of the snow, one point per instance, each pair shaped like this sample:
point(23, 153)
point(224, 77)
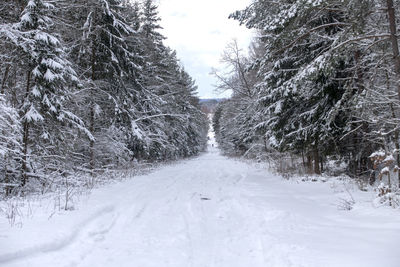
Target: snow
point(379, 153)
point(31, 4)
point(36, 73)
point(278, 107)
point(52, 64)
point(385, 170)
point(389, 159)
point(26, 18)
point(33, 115)
point(136, 131)
point(47, 38)
point(49, 76)
point(209, 211)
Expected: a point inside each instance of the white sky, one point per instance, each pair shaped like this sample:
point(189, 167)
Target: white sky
point(199, 30)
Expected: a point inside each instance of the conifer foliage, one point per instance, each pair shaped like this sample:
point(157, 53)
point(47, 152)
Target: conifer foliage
point(87, 86)
point(324, 83)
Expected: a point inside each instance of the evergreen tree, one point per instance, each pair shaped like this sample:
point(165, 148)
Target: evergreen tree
point(49, 76)
point(103, 53)
point(305, 82)
point(132, 100)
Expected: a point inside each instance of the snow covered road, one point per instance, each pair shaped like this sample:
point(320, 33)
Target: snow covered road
point(210, 211)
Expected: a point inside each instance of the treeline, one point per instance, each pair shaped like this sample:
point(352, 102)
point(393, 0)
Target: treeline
point(87, 85)
point(320, 82)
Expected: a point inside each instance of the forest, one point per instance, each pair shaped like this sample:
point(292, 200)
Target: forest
point(319, 87)
point(86, 86)
point(111, 155)
point(90, 86)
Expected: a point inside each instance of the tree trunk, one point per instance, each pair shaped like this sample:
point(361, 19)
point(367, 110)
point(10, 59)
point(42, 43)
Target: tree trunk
point(25, 141)
point(316, 162)
point(322, 164)
point(6, 177)
point(91, 128)
point(396, 139)
point(316, 158)
point(393, 39)
point(398, 156)
point(359, 72)
point(265, 143)
point(309, 163)
point(92, 107)
point(3, 83)
point(395, 50)
point(25, 138)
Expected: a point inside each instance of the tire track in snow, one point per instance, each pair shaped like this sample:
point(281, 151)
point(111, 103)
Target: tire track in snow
point(57, 244)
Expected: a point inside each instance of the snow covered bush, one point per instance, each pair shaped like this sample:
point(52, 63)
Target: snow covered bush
point(387, 191)
point(384, 166)
point(387, 196)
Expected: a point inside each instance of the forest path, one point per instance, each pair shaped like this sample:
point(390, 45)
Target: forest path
point(211, 211)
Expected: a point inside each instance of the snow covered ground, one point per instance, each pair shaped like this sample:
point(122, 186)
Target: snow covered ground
point(210, 211)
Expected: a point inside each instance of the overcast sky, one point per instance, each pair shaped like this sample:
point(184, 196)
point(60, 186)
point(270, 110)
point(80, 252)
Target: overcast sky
point(199, 31)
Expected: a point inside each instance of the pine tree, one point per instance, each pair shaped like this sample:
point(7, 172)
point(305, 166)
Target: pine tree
point(49, 76)
point(306, 84)
point(132, 101)
point(103, 53)
point(150, 22)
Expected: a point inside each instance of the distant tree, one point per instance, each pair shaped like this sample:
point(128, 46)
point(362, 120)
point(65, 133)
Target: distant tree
point(237, 118)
